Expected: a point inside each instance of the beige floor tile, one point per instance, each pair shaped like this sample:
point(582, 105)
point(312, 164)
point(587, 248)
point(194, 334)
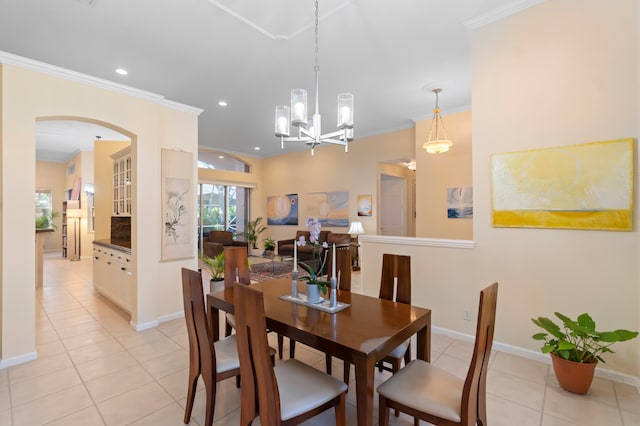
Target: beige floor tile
point(548, 420)
point(154, 349)
point(5, 417)
point(117, 383)
point(579, 409)
point(140, 338)
point(628, 397)
point(524, 368)
point(167, 364)
point(227, 401)
point(630, 418)
point(453, 365)
point(461, 350)
point(73, 320)
point(80, 340)
point(87, 417)
point(5, 398)
point(105, 365)
point(134, 405)
point(52, 407)
point(52, 348)
point(46, 384)
point(174, 326)
point(42, 365)
point(171, 415)
point(96, 350)
point(501, 412)
point(514, 389)
point(76, 330)
point(176, 384)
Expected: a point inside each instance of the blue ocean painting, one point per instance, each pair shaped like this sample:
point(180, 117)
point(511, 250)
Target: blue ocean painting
point(460, 202)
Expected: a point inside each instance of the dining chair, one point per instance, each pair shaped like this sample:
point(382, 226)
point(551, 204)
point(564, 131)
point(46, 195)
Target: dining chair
point(396, 279)
point(213, 361)
point(287, 394)
point(236, 269)
point(427, 392)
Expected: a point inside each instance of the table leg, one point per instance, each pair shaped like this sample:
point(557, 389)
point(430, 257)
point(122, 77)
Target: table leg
point(424, 343)
point(364, 390)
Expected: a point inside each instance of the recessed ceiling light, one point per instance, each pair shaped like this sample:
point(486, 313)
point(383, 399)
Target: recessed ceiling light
point(121, 71)
point(221, 156)
point(257, 148)
point(222, 103)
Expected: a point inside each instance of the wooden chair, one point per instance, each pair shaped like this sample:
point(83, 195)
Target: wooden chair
point(214, 361)
point(236, 269)
point(396, 279)
point(288, 393)
point(434, 395)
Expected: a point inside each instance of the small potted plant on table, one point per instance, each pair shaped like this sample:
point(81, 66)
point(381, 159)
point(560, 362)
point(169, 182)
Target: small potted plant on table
point(215, 267)
point(576, 348)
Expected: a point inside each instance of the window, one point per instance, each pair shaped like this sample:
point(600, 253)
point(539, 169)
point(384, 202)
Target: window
point(221, 208)
point(44, 213)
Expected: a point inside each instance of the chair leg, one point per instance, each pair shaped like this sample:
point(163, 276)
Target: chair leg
point(379, 364)
point(191, 393)
point(238, 381)
point(327, 362)
point(383, 411)
point(280, 345)
point(395, 367)
point(292, 348)
point(407, 355)
point(341, 411)
point(416, 422)
point(345, 374)
point(210, 388)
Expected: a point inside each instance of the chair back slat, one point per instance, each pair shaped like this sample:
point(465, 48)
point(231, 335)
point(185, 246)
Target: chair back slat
point(200, 341)
point(343, 265)
point(396, 278)
point(236, 266)
point(474, 393)
point(253, 351)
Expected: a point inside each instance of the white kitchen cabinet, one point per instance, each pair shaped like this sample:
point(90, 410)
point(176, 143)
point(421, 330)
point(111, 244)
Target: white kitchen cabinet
point(122, 168)
point(113, 275)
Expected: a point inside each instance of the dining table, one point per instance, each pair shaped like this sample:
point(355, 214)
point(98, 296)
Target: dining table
point(361, 334)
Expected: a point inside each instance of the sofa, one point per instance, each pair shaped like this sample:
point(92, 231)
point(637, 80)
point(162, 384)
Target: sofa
point(216, 241)
point(285, 247)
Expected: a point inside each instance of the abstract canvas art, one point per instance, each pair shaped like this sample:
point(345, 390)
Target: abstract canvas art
point(364, 205)
point(282, 209)
point(586, 186)
point(331, 208)
point(460, 202)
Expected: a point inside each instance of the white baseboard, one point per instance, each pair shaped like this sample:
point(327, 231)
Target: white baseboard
point(144, 326)
point(169, 317)
point(540, 357)
point(20, 359)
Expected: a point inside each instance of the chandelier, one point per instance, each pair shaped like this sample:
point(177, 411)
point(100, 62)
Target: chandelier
point(310, 133)
point(437, 145)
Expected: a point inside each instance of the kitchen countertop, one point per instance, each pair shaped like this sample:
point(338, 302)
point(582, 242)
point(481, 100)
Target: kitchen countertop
point(109, 245)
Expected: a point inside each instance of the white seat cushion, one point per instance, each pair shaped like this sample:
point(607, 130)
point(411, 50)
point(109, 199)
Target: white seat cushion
point(425, 387)
point(231, 320)
point(303, 388)
point(400, 350)
point(226, 354)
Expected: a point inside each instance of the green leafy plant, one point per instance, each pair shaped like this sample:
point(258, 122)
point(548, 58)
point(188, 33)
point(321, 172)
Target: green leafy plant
point(253, 231)
point(578, 340)
point(215, 265)
point(45, 221)
point(314, 269)
point(269, 244)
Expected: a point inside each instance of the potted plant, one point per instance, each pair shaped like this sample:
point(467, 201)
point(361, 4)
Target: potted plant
point(253, 231)
point(576, 347)
point(214, 266)
point(269, 246)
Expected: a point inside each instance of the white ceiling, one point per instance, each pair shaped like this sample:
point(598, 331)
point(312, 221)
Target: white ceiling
point(252, 53)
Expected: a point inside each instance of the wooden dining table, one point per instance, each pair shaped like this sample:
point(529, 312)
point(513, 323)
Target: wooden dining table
point(361, 334)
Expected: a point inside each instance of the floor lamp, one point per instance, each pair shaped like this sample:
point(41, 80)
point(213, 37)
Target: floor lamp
point(76, 215)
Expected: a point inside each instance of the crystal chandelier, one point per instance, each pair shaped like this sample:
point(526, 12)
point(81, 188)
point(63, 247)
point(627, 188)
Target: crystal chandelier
point(437, 145)
point(311, 132)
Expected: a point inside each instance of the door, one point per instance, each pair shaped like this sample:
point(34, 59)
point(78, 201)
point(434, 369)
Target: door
point(393, 205)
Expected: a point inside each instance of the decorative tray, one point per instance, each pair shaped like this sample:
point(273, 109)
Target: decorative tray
point(323, 305)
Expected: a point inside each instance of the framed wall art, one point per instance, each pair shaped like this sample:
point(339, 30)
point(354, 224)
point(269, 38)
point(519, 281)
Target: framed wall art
point(282, 209)
point(177, 205)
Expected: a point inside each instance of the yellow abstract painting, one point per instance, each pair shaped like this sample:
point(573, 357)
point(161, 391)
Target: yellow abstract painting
point(587, 186)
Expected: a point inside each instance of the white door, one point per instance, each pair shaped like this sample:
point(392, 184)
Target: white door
point(393, 205)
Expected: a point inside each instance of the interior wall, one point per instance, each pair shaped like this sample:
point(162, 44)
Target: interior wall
point(574, 82)
point(155, 124)
point(51, 176)
point(435, 173)
point(331, 169)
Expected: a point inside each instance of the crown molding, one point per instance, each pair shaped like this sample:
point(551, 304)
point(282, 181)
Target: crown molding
point(55, 71)
point(500, 13)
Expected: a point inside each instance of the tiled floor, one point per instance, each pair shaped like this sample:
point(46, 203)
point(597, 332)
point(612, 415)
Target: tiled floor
point(92, 369)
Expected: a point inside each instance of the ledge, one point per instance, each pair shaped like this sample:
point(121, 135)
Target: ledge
point(415, 241)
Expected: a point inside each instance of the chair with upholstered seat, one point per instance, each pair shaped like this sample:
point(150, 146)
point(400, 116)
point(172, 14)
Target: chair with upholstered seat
point(288, 393)
point(396, 279)
point(236, 269)
point(427, 392)
point(213, 361)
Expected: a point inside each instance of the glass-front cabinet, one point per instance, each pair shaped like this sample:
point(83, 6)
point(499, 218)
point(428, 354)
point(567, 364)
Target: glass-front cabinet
point(122, 182)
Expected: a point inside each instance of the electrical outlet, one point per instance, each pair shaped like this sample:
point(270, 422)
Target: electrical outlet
point(466, 315)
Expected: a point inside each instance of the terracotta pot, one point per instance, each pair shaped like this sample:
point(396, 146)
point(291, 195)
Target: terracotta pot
point(573, 376)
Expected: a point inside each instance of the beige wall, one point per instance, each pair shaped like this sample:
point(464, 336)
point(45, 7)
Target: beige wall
point(51, 176)
point(436, 173)
point(331, 169)
point(154, 123)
